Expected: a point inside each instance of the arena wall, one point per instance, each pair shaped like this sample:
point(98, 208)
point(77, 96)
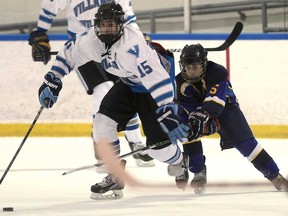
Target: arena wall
point(259, 75)
point(18, 11)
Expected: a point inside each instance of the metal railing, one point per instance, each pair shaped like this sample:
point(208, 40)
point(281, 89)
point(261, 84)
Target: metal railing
point(220, 8)
point(27, 27)
point(237, 7)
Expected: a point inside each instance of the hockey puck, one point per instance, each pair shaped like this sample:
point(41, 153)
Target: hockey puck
point(8, 209)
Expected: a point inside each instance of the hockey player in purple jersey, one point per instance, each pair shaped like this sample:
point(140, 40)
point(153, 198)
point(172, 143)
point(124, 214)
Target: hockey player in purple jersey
point(206, 94)
point(144, 87)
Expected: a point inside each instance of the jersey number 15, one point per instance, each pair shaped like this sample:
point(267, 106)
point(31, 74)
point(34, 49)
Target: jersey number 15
point(144, 69)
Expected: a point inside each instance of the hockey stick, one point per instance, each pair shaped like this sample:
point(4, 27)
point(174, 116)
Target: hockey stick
point(121, 156)
point(227, 43)
point(22, 143)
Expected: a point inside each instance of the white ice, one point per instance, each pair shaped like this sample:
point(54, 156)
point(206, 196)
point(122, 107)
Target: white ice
point(35, 185)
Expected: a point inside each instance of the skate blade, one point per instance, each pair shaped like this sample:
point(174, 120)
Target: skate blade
point(199, 189)
point(109, 195)
point(141, 163)
point(182, 185)
point(282, 188)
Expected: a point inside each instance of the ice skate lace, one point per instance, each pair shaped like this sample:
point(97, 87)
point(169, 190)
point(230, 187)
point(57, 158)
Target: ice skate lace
point(201, 176)
point(181, 177)
point(108, 180)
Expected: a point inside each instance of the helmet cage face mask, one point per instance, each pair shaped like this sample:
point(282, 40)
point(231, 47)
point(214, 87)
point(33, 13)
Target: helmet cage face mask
point(193, 73)
point(193, 63)
point(109, 23)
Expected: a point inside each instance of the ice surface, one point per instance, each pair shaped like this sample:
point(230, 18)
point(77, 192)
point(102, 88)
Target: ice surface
point(35, 186)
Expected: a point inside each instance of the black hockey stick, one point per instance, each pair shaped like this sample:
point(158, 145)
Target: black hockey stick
point(121, 156)
point(53, 52)
point(227, 43)
point(22, 143)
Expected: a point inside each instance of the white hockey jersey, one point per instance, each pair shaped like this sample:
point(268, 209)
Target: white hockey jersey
point(130, 58)
point(80, 13)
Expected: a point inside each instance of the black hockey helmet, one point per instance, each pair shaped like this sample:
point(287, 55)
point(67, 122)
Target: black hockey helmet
point(193, 58)
point(108, 23)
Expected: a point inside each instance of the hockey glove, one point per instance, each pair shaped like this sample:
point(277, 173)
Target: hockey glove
point(201, 124)
point(40, 46)
point(212, 126)
point(49, 90)
point(171, 124)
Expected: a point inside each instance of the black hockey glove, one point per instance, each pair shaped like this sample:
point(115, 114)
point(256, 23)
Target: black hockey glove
point(201, 124)
point(211, 127)
point(49, 90)
point(40, 46)
point(170, 122)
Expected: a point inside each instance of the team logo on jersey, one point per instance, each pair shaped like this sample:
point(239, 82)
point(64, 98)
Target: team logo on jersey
point(186, 89)
point(106, 64)
point(134, 50)
point(85, 6)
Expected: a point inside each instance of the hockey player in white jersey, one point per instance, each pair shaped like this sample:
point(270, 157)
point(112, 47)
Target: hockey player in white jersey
point(144, 87)
point(80, 17)
point(80, 14)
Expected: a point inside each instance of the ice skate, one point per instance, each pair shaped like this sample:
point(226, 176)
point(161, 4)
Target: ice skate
point(280, 183)
point(180, 171)
point(142, 159)
point(199, 181)
point(110, 188)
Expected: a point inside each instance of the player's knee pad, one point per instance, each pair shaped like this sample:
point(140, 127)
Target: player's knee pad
point(170, 154)
point(104, 129)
